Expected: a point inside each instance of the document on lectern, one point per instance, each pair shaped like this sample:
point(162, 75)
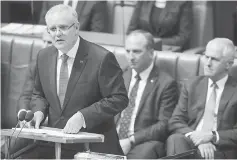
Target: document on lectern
point(98, 156)
point(57, 133)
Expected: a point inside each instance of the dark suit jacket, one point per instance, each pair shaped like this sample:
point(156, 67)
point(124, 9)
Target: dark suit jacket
point(191, 107)
point(156, 106)
point(26, 94)
point(174, 24)
point(95, 88)
point(92, 15)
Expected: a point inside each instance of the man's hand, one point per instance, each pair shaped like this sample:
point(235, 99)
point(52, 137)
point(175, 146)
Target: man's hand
point(207, 150)
point(125, 145)
point(38, 118)
point(74, 124)
point(201, 137)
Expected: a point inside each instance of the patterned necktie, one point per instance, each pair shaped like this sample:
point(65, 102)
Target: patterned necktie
point(63, 79)
point(209, 113)
point(127, 113)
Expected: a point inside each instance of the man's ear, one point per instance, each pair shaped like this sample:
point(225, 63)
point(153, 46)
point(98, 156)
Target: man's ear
point(229, 64)
point(77, 26)
point(152, 54)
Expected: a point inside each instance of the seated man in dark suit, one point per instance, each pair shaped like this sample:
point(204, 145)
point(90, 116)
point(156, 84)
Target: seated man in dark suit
point(206, 115)
point(92, 15)
point(142, 126)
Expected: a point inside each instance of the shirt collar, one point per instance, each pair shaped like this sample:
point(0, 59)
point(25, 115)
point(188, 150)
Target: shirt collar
point(71, 53)
point(220, 83)
point(144, 74)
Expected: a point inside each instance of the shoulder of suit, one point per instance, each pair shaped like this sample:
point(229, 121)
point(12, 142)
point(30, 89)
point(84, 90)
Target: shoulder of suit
point(163, 76)
point(193, 81)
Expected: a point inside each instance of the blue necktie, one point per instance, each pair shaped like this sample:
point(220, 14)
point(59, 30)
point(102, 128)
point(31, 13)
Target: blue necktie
point(127, 113)
point(63, 79)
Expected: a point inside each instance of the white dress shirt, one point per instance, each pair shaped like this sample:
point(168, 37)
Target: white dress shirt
point(141, 86)
point(160, 3)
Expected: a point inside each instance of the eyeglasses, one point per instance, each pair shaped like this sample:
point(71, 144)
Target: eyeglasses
point(61, 28)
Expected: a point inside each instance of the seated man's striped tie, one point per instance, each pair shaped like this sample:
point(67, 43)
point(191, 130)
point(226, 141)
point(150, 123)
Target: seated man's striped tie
point(127, 113)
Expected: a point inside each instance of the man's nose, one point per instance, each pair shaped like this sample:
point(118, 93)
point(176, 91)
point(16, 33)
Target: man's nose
point(58, 32)
point(209, 61)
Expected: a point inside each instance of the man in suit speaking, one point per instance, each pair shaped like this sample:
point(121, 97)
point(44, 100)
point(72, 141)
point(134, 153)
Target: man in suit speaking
point(206, 115)
point(142, 126)
point(78, 85)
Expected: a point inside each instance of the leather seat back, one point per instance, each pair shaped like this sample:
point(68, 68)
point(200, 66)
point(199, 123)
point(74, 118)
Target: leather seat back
point(17, 53)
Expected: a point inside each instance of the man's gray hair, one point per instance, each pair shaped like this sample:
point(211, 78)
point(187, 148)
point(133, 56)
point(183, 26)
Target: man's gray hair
point(60, 8)
point(147, 35)
point(225, 45)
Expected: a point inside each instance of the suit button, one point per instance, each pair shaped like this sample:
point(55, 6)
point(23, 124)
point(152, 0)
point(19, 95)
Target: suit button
point(62, 118)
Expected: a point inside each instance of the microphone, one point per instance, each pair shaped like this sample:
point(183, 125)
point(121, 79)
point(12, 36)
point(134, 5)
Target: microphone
point(21, 117)
point(29, 116)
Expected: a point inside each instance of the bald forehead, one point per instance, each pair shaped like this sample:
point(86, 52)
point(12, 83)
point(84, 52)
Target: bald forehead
point(61, 11)
point(137, 38)
point(221, 46)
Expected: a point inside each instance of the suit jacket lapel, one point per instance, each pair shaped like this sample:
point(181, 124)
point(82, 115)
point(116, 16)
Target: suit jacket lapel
point(78, 66)
point(145, 17)
point(127, 76)
point(164, 11)
point(200, 96)
point(151, 81)
point(226, 95)
point(52, 62)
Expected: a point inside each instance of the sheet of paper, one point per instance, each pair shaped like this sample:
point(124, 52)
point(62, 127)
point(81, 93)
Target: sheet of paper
point(58, 133)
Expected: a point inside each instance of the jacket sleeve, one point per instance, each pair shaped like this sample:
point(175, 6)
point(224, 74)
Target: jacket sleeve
point(185, 27)
point(26, 94)
point(158, 131)
point(99, 17)
point(38, 102)
point(228, 138)
point(114, 94)
point(179, 120)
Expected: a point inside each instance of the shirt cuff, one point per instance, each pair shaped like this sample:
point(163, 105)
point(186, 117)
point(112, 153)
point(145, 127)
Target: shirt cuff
point(188, 134)
point(217, 137)
point(84, 123)
point(132, 139)
point(20, 111)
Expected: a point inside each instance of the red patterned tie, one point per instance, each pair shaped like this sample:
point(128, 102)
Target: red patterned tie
point(63, 79)
point(127, 113)
point(209, 113)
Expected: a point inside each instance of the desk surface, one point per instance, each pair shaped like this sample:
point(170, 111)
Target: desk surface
point(83, 137)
